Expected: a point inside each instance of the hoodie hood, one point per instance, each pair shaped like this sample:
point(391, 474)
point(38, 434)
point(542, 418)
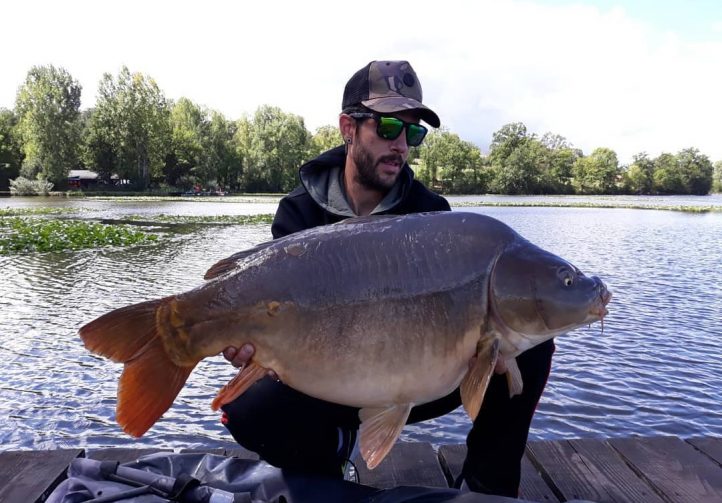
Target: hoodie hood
point(322, 178)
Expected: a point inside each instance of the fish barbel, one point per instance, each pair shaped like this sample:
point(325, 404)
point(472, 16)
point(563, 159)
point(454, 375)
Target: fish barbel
point(379, 313)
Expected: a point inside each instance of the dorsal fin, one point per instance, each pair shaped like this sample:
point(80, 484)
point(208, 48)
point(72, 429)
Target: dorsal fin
point(228, 264)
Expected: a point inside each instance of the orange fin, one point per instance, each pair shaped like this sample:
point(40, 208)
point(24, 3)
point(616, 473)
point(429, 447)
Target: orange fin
point(150, 380)
point(379, 430)
point(123, 333)
point(239, 384)
point(473, 386)
point(147, 388)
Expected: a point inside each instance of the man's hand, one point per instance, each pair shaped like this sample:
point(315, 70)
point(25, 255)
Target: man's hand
point(239, 357)
point(500, 367)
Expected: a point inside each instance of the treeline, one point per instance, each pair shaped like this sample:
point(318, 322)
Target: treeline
point(135, 134)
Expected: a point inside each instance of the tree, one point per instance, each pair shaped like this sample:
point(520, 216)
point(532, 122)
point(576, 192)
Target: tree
point(451, 164)
point(325, 138)
point(717, 177)
point(220, 154)
point(48, 108)
point(667, 179)
point(187, 124)
point(596, 174)
point(11, 155)
point(639, 177)
point(695, 171)
point(521, 172)
point(506, 140)
point(272, 146)
point(130, 125)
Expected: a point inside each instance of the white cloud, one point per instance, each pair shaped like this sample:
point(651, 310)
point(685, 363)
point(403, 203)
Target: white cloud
point(598, 77)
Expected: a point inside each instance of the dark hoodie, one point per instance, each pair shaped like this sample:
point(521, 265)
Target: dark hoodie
point(321, 200)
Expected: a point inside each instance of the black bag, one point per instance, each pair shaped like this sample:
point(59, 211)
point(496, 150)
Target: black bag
point(209, 478)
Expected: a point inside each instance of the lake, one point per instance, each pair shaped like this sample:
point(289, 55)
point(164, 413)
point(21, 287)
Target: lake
point(655, 369)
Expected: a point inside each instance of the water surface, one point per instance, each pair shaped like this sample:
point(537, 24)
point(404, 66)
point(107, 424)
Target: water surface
point(655, 370)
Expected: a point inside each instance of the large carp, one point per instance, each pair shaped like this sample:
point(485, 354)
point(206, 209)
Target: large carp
point(380, 313)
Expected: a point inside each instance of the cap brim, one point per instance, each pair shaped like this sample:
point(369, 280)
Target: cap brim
point(392, 104)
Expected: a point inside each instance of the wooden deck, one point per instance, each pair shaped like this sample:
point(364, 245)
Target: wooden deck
point(635, 470)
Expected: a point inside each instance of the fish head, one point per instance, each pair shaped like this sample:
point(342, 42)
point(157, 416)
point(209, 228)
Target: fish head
point(538, 295)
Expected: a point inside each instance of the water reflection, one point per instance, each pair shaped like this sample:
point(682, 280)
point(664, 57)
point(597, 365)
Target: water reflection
point(656, 368)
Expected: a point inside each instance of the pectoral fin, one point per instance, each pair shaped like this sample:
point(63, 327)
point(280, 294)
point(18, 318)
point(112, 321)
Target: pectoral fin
point(513, 378)
point(239, 384)
point(473, 386)
point(379, 430)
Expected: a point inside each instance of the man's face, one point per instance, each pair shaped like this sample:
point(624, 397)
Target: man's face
point(379, 161)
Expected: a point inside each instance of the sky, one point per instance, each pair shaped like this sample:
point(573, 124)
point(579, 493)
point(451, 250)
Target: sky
point(633, 76)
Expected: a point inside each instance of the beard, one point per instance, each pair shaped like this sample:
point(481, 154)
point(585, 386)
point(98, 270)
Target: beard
point(366, 172)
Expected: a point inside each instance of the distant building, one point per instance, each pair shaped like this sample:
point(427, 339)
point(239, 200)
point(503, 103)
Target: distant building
point(82, 178)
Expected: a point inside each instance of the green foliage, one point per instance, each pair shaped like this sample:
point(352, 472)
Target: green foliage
point(220, 156)
point(135, 134)
point(598, 173)
point(695, 171)
point(272, 145)
point(11, 155)
point(667, 178)
point(325, 138)
point(24, 187)
point(521, 163)
point(450, 164)
point(717, 177)
point(48, 109)
point(639, 177)
point(128, 132)
point(27, 235)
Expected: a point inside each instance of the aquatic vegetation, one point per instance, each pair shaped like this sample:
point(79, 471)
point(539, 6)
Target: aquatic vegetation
point(265, 218)
point(27, 235)
point(590, 204)
point(17, 212)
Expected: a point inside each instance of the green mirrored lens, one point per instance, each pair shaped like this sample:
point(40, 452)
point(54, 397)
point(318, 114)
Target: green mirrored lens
point(390, 128)
point(415, 134)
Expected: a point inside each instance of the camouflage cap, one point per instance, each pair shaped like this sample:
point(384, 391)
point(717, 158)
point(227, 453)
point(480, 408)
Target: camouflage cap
point(385, 87)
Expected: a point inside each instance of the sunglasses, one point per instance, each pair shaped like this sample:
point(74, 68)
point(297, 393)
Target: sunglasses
point(390, 128)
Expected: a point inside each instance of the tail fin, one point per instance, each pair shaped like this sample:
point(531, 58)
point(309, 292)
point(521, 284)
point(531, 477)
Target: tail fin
point(150, 380)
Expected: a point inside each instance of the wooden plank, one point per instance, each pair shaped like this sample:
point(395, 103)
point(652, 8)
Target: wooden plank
point(611, 473)
point(711, 446)
point(408, 463)
point(531, 486)
point(566, 471)
point(122, 454)
point(674, 467)
point(30, 476)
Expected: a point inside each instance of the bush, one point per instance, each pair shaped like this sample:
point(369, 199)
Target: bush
point(23, 187)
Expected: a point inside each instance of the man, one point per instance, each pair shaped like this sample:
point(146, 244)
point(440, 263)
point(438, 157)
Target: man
point(381, 112)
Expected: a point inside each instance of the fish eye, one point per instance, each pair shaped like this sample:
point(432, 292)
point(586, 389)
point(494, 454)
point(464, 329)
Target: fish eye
point(566, 276)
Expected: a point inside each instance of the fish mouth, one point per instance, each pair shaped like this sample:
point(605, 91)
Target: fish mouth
point(599, 310)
